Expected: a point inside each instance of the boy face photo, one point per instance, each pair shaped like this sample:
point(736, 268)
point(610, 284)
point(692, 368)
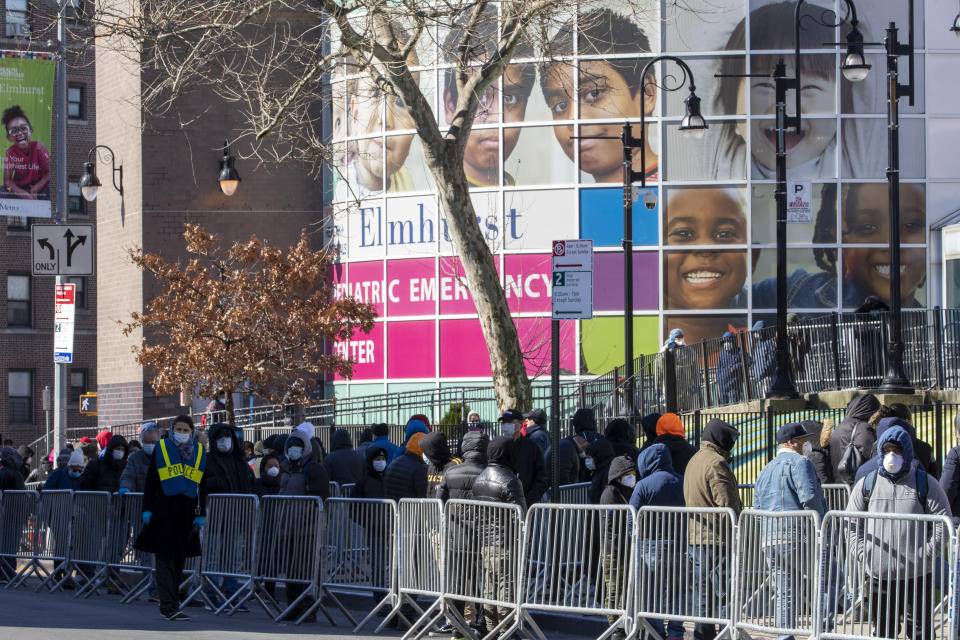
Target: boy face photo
point(708, 278)
point(481, 156)
point(371, 116)
point(866, 220)
point(817, 95)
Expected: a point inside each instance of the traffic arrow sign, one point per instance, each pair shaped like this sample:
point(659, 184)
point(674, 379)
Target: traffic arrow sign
point(62, 250)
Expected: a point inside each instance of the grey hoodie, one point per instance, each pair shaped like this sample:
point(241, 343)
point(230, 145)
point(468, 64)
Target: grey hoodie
point(898, 549)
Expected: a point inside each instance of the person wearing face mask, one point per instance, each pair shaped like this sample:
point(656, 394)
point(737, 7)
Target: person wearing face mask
point(301, 474)
point(343, 464)
point(600, 454)
point(621, 479)
point(436, 454)
point(268, 484)
point(134, 476)
point(226, 471)
point(67, 477)
point(406, 477)
point(788, 483)
point(103, 473)
point(660, 486)
point(174, 510)
point(730, 367)
point(572, 450)
point(898, 560)
point(528, 459)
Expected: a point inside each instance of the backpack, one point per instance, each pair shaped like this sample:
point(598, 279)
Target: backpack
point(922, 487)
point(851, 460)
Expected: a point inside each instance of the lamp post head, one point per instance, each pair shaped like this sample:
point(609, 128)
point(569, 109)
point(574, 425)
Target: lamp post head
point(229, 179)
point(693, 125)
point(89, 184)
point(855, 67)
point(956, 26)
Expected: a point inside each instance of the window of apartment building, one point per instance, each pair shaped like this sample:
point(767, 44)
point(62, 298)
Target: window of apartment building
point(75, 110)
point(80, 292)
point(18, 300)
point(16, 19)
point(78, 385)
point(19, 223)
point(20, 395)
point(73, 9)
point(78, 206)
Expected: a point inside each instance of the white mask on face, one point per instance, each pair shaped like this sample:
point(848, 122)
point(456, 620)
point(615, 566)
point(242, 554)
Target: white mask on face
point(508, 428)
point(426, 460)
point(680, 341)
point(893, 462)
point(148, 449)
point(181, 438)
point(294, 453)
point(273, 472)
point(807, 448)
point(629, 481)
point(379, 465)
point(224, 444)
point(590, 464)
point(118, 454)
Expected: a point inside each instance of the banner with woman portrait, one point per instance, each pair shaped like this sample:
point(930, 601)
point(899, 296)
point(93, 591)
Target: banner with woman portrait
point(26, 105)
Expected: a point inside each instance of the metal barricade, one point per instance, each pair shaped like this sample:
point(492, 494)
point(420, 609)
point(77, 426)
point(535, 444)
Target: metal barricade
point(778, 565)
point(685, 568)
point(229, 542)
point(126, 523)
point(888, 575)
point(18, 517)
point(89, 539)
point(482, 564)
point(288, 550)
point(574, 493)
point(419, 562)
point(52, 538)
point(348, 490)
point(746, 495)
point(837, 496)
point(334, 490)
point(362, 550)
point(579, 560)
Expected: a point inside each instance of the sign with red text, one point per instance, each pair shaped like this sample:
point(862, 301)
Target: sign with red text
point(572, 281)
point(63, 317)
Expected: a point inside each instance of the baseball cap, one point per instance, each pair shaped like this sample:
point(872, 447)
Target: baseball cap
point(539, 416)
point(147, 426)
point(790, 431)
point(511, 414)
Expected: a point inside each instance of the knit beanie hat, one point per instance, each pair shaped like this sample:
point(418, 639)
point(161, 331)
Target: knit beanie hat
point(77, 459)
point(413, 444)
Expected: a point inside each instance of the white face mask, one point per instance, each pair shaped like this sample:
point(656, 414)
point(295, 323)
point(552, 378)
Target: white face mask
point(583, 454)
point(148, 449)
point(590, 464)
point(893, 462)
point(508, 428)
point(294, 453)
point(379, 465)
point(629, 481)
point(680, 341)
point(273, 472)
point(224, 444)
point(426, 460)
point(181, 438)
point(118, 454)
point(807, 448)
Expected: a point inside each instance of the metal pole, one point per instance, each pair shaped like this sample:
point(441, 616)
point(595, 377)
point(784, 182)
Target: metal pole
point(895, 380)
point(628, 265)
point(555, 410)
point(782, 384)
point(60, 370)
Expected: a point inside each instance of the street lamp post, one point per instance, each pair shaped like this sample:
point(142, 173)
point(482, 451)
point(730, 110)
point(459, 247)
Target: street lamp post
point(693, 125)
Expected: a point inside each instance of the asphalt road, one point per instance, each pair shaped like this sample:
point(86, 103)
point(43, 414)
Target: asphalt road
point(41, 616)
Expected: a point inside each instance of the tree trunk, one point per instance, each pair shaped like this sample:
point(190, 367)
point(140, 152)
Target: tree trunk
point(231, 411)
point(510, 382)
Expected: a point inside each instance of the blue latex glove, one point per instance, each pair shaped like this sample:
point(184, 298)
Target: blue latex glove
point(199, 521)
point(146, 517)
point(122, 491)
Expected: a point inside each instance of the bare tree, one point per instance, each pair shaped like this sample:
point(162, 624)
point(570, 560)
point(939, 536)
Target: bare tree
point(273, 58)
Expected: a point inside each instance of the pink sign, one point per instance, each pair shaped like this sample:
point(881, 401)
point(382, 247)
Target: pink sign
point(527, 282)
point(463, 352)
point(366, 350)
point(411, 287)
point(454, 297)
point(411, 351)
point(363, 281)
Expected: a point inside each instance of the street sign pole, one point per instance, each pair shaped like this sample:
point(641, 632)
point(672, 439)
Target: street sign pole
point(60, 375)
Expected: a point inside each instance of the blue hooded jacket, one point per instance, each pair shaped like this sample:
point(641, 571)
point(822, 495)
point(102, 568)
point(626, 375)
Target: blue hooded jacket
point(882, 427)
point(670, 343)
point(658, 485)
point(902, 438)
point(414, 426)
point(730, 365)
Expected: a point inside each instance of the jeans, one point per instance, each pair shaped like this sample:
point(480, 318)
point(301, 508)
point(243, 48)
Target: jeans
point(709, 587)
point(660, 564)
point(781, 563)
point(905, 604)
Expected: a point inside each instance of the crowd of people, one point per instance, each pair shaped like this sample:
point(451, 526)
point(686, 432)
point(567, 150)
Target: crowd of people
point(874, 449)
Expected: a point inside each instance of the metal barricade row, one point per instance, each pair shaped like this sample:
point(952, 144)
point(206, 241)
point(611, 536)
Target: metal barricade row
point(19, 533)
point(420, 562)
point(126, 523)
point(837, 496)
point(89, 539)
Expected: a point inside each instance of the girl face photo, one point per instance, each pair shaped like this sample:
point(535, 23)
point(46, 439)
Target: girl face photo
point(817, 95)
point(704, 278)
point(866, 221)
point(18, 132)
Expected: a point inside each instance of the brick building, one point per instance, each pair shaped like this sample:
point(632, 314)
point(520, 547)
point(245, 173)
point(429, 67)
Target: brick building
point(169, 178)
point(26, 317)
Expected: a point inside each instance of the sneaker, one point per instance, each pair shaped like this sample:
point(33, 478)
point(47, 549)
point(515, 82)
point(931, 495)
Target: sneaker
point(442, 630)
point(177, 615)
point(618, 635)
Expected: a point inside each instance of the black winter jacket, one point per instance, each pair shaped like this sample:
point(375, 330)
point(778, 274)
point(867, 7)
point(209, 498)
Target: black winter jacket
point(372, 485)
point(617, 434)
point(434, 446)
point(406, 477)
point(537, 434)
point(680, 450)
point(457, 483)
point(950, 481)
point(602, 453)
point(103, 473)
point(10, 477)
point(265, 485)
point(572, 467)
point(858, 412)
point(226, 471)
point(531, 470)
point(343, 464)
point(498, 483)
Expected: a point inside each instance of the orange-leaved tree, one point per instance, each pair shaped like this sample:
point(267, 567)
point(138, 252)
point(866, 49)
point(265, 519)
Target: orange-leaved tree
point(252, 317)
